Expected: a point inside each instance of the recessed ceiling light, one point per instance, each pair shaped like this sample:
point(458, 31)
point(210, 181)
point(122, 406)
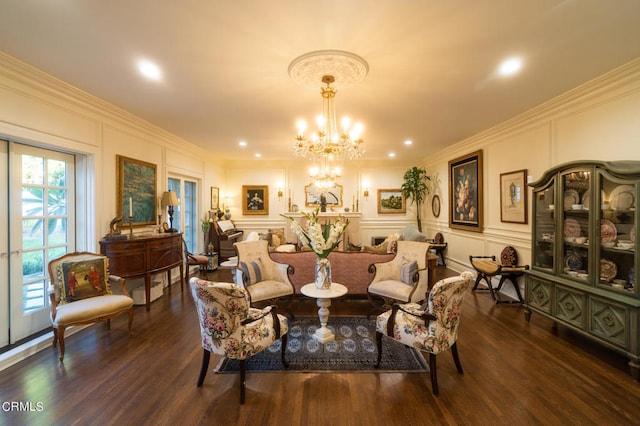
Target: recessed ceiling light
point(408, 142)
point(392, 155)
point(510, 66)
point(149, 70)
point(242, 144)
point(258, 155)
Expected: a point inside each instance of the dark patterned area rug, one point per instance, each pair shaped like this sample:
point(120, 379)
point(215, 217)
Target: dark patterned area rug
point(353, 350)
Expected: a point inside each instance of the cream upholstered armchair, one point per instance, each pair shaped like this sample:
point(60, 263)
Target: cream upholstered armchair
point(80, 293)
point(229, 327)
point(402, 279)
point(432, 327)
point(262, 277)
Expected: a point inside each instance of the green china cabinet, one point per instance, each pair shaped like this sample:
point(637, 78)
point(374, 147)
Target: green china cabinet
point(584, 252)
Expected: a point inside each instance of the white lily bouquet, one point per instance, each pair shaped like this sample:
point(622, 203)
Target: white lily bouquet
point(323, 239)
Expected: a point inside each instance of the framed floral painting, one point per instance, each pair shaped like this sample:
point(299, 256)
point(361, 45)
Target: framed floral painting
point(465, 192)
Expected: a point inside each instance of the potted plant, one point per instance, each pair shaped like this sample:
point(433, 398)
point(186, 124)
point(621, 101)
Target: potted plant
point(415, 189)
point(205, 225)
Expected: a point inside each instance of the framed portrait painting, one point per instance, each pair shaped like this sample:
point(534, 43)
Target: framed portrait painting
point(255, 199)
point(136, 190)
point(215, 198)
point(513, 197)
point(333, 196)
point(465, 192)
point(391, 201)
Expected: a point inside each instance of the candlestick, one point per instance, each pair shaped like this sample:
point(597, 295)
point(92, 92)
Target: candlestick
point(131, 236)
point(130, 207)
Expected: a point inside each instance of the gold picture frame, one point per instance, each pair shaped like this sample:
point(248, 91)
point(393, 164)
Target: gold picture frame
point(391, 201)
point(333, 195)
point(136, 190)
point(513, 197)
point(255, 199)
point(465, 192)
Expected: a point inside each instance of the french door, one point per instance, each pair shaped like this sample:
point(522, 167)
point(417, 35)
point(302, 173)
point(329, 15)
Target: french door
point(41, 227)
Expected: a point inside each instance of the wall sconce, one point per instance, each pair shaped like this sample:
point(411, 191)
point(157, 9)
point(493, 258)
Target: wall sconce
point(279, 193)
point(366, 192)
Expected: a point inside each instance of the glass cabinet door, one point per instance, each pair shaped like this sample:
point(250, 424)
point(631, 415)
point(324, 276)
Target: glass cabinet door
point(545, 229)
point(575, 209)
point(617, 234)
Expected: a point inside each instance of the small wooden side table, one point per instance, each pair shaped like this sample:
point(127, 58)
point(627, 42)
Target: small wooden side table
point(323, 334)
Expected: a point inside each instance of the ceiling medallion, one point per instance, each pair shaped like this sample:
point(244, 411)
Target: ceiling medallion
point(348, 69)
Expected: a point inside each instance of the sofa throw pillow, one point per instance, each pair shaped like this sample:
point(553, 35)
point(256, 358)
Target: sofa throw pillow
point(252, 271)
point(83, 279)
point(407, 271)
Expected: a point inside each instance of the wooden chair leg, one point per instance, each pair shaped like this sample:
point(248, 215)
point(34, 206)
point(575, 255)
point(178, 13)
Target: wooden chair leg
point(205, 366)
point(243, 373)
point(433, 373)
point(284, 340)
point(456, 359)
point(130, 321)
point(61, 339)
point(379, 345)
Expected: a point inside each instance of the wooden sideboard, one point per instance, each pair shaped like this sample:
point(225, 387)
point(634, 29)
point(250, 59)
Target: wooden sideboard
point(143, 257)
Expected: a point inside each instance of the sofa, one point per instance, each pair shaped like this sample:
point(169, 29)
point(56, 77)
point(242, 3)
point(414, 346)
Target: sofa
point(348, 268)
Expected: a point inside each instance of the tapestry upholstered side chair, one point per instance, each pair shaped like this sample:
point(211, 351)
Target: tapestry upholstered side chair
point(402, 279)
point(431, 327)
point(229, 327)
point(80, 293)
point(264, 279)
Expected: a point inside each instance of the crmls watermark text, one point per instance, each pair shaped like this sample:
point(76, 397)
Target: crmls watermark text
point(8, 406)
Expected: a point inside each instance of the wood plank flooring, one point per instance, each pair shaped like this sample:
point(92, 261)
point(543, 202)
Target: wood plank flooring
point(516, 373)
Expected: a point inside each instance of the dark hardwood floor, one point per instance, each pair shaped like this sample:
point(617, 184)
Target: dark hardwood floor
point(515, 373)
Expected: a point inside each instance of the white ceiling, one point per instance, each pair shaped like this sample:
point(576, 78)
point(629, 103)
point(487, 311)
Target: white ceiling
point(431, 62)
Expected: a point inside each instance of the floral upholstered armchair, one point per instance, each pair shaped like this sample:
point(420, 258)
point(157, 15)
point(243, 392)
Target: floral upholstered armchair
point(404, 278)
point(80, 293)
point(264, 279)
point(229, 327)
point(432, 327)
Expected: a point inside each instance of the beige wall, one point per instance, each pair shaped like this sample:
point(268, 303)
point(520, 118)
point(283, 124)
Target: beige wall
point(598, 120)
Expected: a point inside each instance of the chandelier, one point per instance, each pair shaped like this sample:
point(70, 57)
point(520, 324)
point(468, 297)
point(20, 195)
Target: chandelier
point(328, 140)
point(329, 144)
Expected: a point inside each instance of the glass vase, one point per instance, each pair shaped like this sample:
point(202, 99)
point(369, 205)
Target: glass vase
point(323, 273)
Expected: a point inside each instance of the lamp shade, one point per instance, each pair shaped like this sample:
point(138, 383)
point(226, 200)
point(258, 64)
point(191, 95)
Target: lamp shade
point(169, 198)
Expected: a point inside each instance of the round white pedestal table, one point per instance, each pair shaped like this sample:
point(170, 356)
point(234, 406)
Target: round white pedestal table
point(323, 334)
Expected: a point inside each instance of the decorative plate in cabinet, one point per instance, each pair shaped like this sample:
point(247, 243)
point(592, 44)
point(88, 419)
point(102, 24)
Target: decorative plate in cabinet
point(572, 228)
point(622, 197)
point(608, 231)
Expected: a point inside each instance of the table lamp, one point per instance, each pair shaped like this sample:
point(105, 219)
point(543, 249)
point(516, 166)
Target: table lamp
point(169, 199)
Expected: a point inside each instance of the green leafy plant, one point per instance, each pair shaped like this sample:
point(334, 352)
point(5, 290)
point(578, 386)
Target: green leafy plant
point(415, 189)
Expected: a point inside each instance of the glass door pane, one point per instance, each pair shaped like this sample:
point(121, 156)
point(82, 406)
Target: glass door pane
point(575, 224)
point(42, 196)
point(617, 234)
point(544, 232)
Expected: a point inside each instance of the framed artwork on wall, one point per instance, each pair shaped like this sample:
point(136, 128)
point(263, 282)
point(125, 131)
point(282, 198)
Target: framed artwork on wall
point(513, 197)
point(136, 190)
point(391, 201)
point(465, 192)
point(215, 198)
point(255, 199)
point(312, 196)
point(435, 205)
